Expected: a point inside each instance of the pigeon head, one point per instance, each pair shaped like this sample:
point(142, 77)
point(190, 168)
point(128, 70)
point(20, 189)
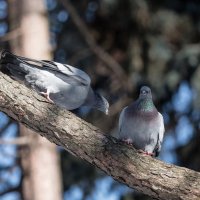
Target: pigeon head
point(101, 103)
point(97, 101)
point(145, 92)
point(145, 102)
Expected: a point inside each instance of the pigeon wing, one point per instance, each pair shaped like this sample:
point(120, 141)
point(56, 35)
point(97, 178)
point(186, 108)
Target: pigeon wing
point(121, 118)
point(160, 135)
point(65, 72)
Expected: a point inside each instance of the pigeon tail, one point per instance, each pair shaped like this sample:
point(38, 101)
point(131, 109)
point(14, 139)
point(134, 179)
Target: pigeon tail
point(7, 57)
point(157, 147)
point(13, 65)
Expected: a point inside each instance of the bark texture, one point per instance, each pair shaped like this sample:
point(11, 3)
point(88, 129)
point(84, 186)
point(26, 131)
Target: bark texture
point(123, 163)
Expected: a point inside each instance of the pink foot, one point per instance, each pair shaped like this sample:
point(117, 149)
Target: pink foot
point(145, 152)
point(128, 141)
point(46, 95)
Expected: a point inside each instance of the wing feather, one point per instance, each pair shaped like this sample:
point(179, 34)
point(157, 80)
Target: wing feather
point(160, 135)
point(65, 72)
point(162, 128)
point(121, 118)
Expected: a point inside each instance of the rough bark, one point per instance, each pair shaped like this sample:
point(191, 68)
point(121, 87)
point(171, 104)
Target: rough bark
point(39, 159)
point(123, 163)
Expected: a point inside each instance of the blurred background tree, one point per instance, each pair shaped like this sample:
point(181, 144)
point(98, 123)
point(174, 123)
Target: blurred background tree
point(155, 43)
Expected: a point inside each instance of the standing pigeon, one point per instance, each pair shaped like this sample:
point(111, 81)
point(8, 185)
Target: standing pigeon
point(141, 125)
point(62, 84)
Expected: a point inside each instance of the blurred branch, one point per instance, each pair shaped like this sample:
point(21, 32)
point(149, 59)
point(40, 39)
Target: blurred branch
point(13, 189)
point(122, 162)
point(11, 35)
point(5, 126)
point(100, 53)
point(16, 141)
point(7, 169)
point(79, 55)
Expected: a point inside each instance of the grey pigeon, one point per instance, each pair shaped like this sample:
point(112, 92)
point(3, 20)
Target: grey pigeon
point(141, 125)
point(62, 84)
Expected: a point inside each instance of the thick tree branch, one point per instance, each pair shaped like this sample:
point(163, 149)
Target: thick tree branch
point(147, 175)
point(9, 190)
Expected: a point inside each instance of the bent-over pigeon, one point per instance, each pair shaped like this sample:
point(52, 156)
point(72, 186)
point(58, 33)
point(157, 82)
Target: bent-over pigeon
point(141, 125)
point(62, 84)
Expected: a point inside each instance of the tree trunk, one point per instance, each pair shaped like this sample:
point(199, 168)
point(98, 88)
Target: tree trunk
point(40, 160)
point(122, 162)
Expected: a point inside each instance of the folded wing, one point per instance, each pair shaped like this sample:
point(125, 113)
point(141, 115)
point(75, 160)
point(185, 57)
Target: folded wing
point(65, 72)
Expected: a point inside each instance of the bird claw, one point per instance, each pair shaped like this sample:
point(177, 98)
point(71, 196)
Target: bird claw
point(46, 95)
point(145, 152)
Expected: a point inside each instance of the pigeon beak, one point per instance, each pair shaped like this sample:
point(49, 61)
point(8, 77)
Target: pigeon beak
point(144, 92)
point(106, 112)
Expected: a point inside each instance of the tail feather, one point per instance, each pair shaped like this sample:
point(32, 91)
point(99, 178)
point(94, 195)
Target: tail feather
point(11, 65)
point(7, 57)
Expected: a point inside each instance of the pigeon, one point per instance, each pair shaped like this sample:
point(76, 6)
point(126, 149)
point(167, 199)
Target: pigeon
point(141, 125)
point(62, 84)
